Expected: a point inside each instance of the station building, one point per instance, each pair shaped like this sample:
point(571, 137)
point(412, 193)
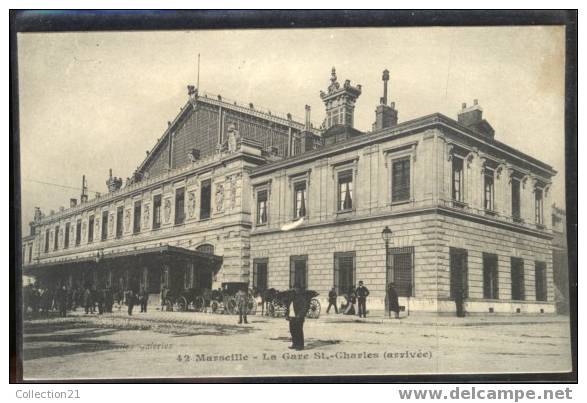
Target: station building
point(233, 194)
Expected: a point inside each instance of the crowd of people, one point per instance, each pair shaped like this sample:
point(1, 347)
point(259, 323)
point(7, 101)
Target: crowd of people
point(355, 301)
point(41, 301)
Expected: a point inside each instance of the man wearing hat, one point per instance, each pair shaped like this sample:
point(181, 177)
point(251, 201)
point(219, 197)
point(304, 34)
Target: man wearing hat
point(362, 294)
point(296, 314)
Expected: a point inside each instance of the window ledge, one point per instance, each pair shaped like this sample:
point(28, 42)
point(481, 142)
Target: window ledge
point(540, 226)
point(347, 211)
point(459, 204)
point(400, 202)
point(491, 212)
point(518, 220)
point(265, 224)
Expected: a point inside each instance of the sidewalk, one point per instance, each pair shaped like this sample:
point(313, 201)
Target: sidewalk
point(415, 319)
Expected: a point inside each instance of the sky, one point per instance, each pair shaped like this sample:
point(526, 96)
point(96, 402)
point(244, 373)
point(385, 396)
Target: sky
point(93, 101)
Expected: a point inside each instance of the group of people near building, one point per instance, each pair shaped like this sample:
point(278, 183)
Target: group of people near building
point(356, 301)
point(40, 301)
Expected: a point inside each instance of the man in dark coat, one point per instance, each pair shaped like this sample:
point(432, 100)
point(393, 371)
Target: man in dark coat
point(392, 300)
point(130, 301)
point(143, 299)
point(362, 294)
point(332, 300)
point(61, 297)
point(460, 303)
point(296, 314)
point(88, 301)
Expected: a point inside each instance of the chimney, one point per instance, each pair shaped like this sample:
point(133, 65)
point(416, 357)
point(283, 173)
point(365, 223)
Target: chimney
point(113, 182)
point(308, 110)
point(84, 196)
point(472, 117)
point(385, 116)
point(72, 202)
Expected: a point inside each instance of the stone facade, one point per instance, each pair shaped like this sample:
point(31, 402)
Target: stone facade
point(444, 188)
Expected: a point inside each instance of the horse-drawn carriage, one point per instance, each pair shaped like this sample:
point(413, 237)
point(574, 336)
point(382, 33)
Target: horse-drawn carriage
point(222, 300)
point(274, 303)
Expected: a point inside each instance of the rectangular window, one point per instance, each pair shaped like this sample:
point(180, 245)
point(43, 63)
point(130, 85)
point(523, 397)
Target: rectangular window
point(104, 225)
point(300, 199)
point(515, 198)
point(459, 273)
point(344, 272)
point(56, 243)
point(298, 271)
point(136, 225)
point(157, 211)
point(517, 278)
point(206, 199)
point(489, 191)
point(47, 241)
point(119, 218)
point(345, 190)
point(91, 229)
point(400, 180)
point(179, 206)
point(457, 180)
point(260, 274)
point(539, 206)
point(78, 232)
point(66, 235)
point(540, 273)
point(490, 279)
point(262, 207)
point(400, 270)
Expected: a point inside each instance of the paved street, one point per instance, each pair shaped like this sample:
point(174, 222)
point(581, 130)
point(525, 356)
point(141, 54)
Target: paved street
point(173, 344)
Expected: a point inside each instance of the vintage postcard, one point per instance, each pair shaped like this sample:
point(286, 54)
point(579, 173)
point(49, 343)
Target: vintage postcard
point(293, 202)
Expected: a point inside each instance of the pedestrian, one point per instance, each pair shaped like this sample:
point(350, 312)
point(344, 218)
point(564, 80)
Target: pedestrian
point(296, 314)
point(108, 300)
point(143, 299)
point(332, 300)
point(99, 300)
point(88, 303)
point(242, 301)
point(392, 300)
point(460, 302)
point(163, 297)
point(351, 299)
point(130, 301)
point(62, 301)
point(362, 294)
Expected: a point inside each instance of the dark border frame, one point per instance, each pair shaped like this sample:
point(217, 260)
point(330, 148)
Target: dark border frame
point(136, 20)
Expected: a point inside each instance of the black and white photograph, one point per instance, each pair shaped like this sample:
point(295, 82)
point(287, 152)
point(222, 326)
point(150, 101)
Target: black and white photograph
point(283, 202)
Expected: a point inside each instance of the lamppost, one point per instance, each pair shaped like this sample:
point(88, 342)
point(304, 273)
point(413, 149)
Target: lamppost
point(386, 235)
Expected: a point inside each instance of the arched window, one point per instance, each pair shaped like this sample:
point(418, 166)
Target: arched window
point(206, 248)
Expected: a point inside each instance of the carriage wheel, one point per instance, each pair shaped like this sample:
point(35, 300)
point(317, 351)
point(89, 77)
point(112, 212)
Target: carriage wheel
point(181, 304)
point(214, 306)
point(230, 305)
point(199, 304)
point(314, 309)
point(169, 305)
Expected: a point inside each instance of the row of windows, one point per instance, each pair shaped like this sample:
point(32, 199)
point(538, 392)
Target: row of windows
point(205, 210)
point(458, 192)
point(459, 276)
point(400, 271)
point(400, 191)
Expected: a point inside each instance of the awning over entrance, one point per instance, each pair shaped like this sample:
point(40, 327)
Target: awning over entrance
point(165, 251)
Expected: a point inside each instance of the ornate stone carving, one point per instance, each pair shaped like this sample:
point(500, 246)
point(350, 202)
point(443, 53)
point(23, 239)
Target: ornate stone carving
point(167, 210)
point(233, 141)
point(111, 223)
point(146, 211)
point(449, 152)
point(192, 180)
point(191, 204)
point(127, 220)
point(219, 197)
point(97, 226)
